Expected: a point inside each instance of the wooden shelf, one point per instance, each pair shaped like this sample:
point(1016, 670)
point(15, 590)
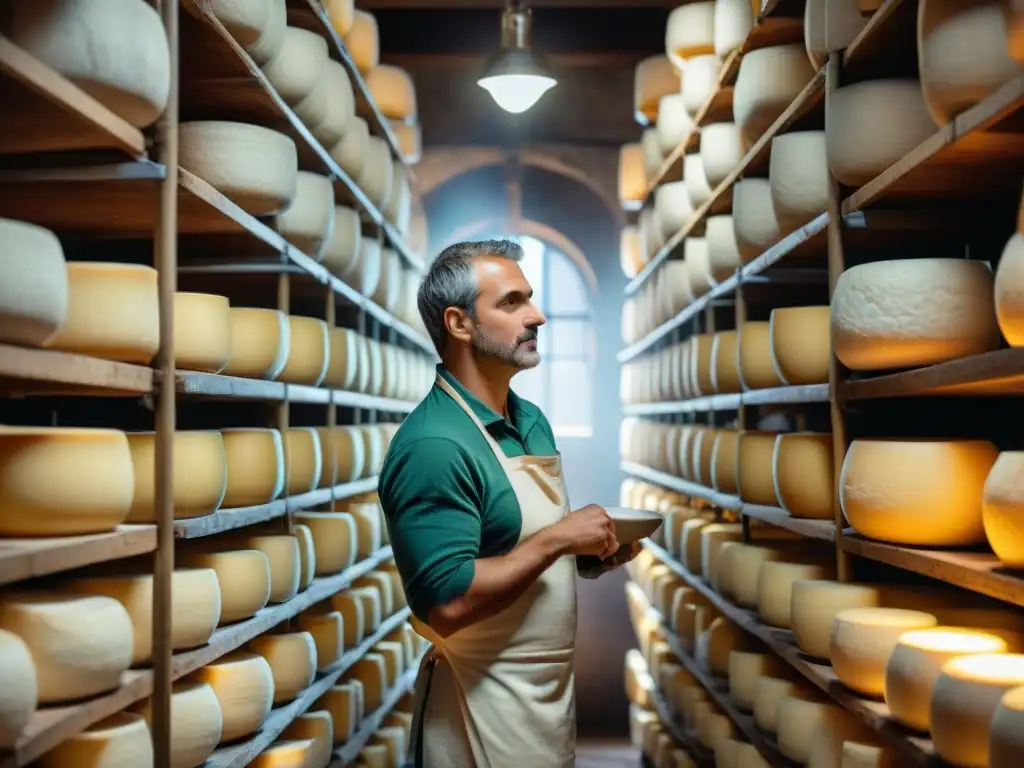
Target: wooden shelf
point(780, 518)
point(53, 114)
point(212, 385)
point(722, 500)
point(349, 751)
point(240, 517)
point(794, 395)
point(243, 753)
point(44, 371)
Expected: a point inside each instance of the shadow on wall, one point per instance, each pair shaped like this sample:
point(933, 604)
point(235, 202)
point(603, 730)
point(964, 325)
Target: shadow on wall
point(591, 463)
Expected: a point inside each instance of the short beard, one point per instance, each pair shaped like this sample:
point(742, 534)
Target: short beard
point(518, 356)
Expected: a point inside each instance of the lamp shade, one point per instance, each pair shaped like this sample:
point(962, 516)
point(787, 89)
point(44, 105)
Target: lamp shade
point(516, 80)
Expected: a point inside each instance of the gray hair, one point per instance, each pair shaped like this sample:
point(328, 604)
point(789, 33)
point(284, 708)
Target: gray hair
point(451, 282)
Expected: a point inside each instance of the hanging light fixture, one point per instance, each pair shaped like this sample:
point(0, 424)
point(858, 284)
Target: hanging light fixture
point(515, 77)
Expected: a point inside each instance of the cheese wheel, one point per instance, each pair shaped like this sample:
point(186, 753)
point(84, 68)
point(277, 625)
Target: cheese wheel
point(196, 722)
point(119, 741)
point(202, 332)
point(826, 747)
point(373, 612)
point(308, 219)
point(756, 367)
point(195, 606)
point(632, 184)
point(331, 108)
point(243, 577)
point(199, 479)
point(341, 14)
point(723, 250)
point(375, 178)
point(803, 474)
point(112, 312)
point(898, 314)
point(36, 464)
point(308, 349)
point(293, 752)
point(80, 644)
point(356, 624)
point(769, 80)
point(394, 660)
point(259, 343)
point(721, 638)
point(334, 539)
point(732, 23)
point(344, 455)
point(798, 177)
point(844, 20)
point(754, 467)
point(1005, 747)
point(863, 639)
point(342, 702)
point(351, 150)
point(393, 90)
point(244, 687)
point(769, 692)
point(712, 537)
point(965, 698)
point(370, 671)
point(674, 123)
point(20, 691)
point(775, 588)
point(1009, 298)
point(653, 78)
point(34, 292)
point(881, 499)
point(697, 187)
point(653, 156)
point(363, 41)
point(801, 349)
point(328, 633)
point(754, 220)
point(872, 124)
point(672, 208)
point(799, 719)
point(631, 253)
point(690, 32)
point(255, 167)
point(368, 528)
point(915, 664)
point(410, 140)
point(292, 660)
point(282, 553)
point(814, 605)
point(258, 27)
point(701, 81)
point(342, 358)
point(374, 756)
point(1002, 507)
point(133, 76)
point(303, 460)
point(695, 251)
point(380, 581)
point(394, 739)
point(317, 727)
point(722, 146)
point(744, 671)
point(307, 555)
point(814, 31)
point(860, 754)
point(299, 64)
point(255, 459)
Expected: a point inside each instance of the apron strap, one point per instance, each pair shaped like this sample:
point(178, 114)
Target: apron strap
point(460, 400)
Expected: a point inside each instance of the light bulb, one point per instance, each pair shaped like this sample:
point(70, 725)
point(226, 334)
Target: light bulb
point(516, 93)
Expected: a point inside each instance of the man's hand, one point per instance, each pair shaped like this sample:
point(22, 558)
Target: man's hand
point(592, 567)
point(587, 531)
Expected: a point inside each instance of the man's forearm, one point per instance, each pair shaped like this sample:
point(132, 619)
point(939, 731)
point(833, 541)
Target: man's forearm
point(498, 582)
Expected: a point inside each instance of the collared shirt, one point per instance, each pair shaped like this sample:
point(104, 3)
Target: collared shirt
point(446, 498)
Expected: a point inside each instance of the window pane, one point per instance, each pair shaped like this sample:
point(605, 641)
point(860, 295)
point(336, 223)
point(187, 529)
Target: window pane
point(533, 268)
point(569, 337)
point(530, 385)
point(570, 394)
point(567, 291)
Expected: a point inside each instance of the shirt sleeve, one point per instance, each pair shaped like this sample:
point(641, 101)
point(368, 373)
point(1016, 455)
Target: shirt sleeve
point(432, 505)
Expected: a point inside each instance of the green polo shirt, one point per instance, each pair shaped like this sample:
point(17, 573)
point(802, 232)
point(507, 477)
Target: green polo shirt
point(446, 498)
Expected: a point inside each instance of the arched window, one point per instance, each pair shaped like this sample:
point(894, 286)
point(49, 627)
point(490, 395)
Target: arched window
point(561, 384)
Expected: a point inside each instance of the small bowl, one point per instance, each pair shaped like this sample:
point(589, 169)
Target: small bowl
point(633, 524)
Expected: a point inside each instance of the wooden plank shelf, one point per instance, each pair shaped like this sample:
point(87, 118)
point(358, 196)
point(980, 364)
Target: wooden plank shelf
point(232, 519)
point(794, 395)
point(53, 114)
point(213, 385)
point(813, 529)
point(43, 371)
point(716, 498)
point(349, 751)
point(243, 753)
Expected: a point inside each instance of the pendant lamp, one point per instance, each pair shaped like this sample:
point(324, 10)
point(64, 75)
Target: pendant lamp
point(515, 77)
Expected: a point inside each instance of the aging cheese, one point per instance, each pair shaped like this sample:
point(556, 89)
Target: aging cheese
point(330, 109)
point(80, 644)
point(373, 612)
point(375, 178)
point(775, 588)
point(350, 152)
point(653, 78)
point(410, 141)
point(342, 358)
point(334, 539)
point(328, 632)
point(370, 671)
point(883, 500)
point(745, 669)
point(255, 460)
point(769, 80)
point(199, 478)
point(303, 459)
point(308, 220)
point(769, 693)
point(754, 220)
point(826, 748)
point(20, 691)
point(196, 722)
point(1002, 504)
point(307, 351)
point(292, 660)
point(632, 179)
point(754, 467)
point(700, 82)
point(113, 312)
point(258, 27)
point(723, 250)
point(394, 660)
point(864, 754)
point(282, 553)
point(374, 756)
point(803, 474)
point(368, 528)
point(393, 91)
point(722, 147)
point(119, 741)
point(394, 738)
point(202, 332)
point(363, 41)
point(355, 624)
point(259, 343)
point(798, 177)
point(756, 367)
point(243, 577)
point(1005, 743)
point(291, 753)
point(307, 555)
point(814, 604)
point(800, 340)
point(380, 581)
point(317, 727)
point(298, 65)
point(342, 702)
point(674, 123)
point(340, 13)
point(721, 639)
point(344, 455)
point(195, 606)
point(244, 686)
point(34, 293)
point(799, 719)
point(732, 23)
point(689, 32)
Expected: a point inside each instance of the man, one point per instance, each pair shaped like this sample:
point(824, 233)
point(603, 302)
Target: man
point(478, 518)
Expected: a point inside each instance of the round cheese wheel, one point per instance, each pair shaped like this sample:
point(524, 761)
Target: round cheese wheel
point(255, 167)
point(653, 78)
point(255, 466)
point(653, 156)
point(674, 122)
point(344, 455)
point(243, 577)
point(340, 13)
point(199, 480)
point(697, 187)
point(334, 537)
point(303, 460)
point(631, 252)
point(800, 340)
point(799, 719)
point(410, 141)
point(1003, 508)
point(328, 632)
point(259, 343)
point(733, 21)
point(803, 474)
point(113, 312)
point(712, 537)
point(725, 376)
point(244, 687)
point(698, 261)
point(292, 660)
point(342, 246)
point(843, 21)
point(282, 553)
point(399, 208)
point(826, 747)
point(394, 739)
point(754, 220)
point(307, 554)
point(722, 147)
point(754, 467)
point(21, 693)
point(202, 332)
point(882, 501)
point(307, 351)
point(393, 90)
point(343, 704)
point(80, 644)
point(342, 358)
point(307, 221)
point(756, 367)
point(690, 32)
point(34, 292)
point(1009, 291)
point(701, 81)
point(1005, 747)
point(672, 208)
point(775, 588)
point(331, 108)
point(259, 27)
point(299, 64)
point(872, 124)
point(769, 692)
point(747, 755)
point(119, 741)
point(862, 754)
point(387, 292)
point(723, 250)
point(898, 314)
point(375, 177)
point(962, 54)
point(363, 41)
point(351, 150)
point(862, 641)
point(745, 669)
point(917, 660)
point(798, 177)
point(814, 32)
point(317, 727)
point(769, 80)
point(746, 567)
point(196, 722)
point(63, 482)
point(133, 76)
point(965, 698)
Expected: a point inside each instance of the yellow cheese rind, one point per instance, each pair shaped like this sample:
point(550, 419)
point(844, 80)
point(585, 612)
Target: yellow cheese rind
point(334, 539)
point(283, 556)
point(119, 741)
point(308, 350)
point(292, 660)
point(803, 474)
point(200, 474)
point(34, 292)
point(342, 702)
point(363, 41)
point(1003, 508)
point(814, 605)
point(243, 576)
point(244, 686)
point(317, 727)
point(255, 466)
point(371, 672)
point(328, 632)
point(202, 332)
point(196, 722)
point(259, 343)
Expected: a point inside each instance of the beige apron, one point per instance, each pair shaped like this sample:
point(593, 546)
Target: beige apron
point(501, 693)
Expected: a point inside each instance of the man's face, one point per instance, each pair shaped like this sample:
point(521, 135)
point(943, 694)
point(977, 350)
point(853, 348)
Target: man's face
point(506, 317)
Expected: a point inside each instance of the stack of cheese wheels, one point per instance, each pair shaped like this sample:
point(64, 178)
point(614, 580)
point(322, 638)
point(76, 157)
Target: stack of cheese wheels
point(259, 27)
point(674, 123)
point(769, 80)
point(885, 503)
point(654, 77)
point(34, 292)
point(1009, 297)
point(256, 469)
point(35, 464)
point(244, 686)
point(800, 342)
point(690, 32)
point(798, 178)
point(872, 124)
point(327, 629)
point(363, 41)
point(375, 178)
point(242, 574)
point(921, 312)
point(123, 736)
point(132, 79)
point(722, 147)
point(255, 167)
point(308, 351)
point(962, 54)
point(199, 480)
point(350, 151)
point(202, 332)
point(344, 703)
point(803, 474)
point(197, 721)
point(308, 221)
point(801, 715)
point(632, 184)
point(393, 91)
point(410, 140)
point(260, 343)
point(292, 660)
point(754, 222)
point(112, 312)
